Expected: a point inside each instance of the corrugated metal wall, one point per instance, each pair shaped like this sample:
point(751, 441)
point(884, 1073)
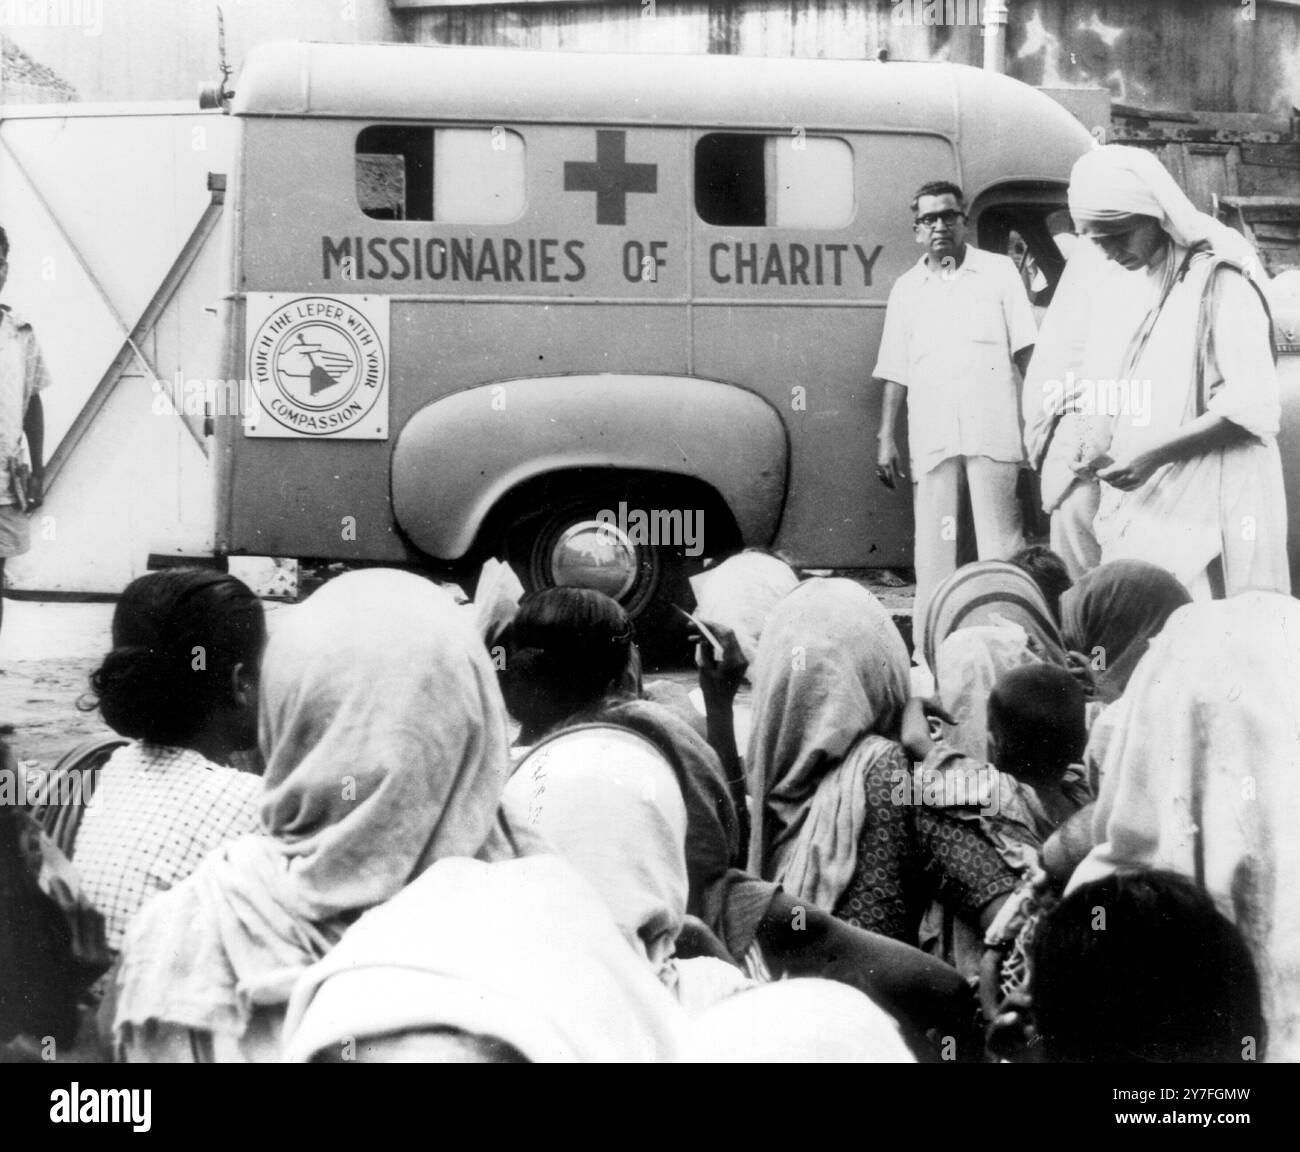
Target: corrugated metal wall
point(813, 28)
point(1202, 54)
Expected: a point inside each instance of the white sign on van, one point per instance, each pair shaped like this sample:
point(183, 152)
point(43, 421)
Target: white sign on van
point(318, 366)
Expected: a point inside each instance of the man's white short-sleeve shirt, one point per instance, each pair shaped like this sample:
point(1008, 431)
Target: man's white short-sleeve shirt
point(949, 339)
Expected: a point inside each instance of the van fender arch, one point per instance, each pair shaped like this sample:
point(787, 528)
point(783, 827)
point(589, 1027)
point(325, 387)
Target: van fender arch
point(458, 457)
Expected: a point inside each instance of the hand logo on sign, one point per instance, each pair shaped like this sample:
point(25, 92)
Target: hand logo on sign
point(321, 366)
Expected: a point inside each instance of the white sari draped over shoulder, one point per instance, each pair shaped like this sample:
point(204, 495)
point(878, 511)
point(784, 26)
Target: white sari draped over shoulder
point(1228, 502)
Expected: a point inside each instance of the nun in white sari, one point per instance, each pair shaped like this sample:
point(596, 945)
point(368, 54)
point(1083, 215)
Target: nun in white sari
point(1191, 478)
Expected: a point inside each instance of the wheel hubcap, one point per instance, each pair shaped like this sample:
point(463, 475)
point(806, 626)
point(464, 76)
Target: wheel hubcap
point(595, 554)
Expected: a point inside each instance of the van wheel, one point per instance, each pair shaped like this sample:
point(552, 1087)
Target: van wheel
point(567, 546)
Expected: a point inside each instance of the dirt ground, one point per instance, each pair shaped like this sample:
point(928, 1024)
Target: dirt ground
point(47, 652)
point(49, 648)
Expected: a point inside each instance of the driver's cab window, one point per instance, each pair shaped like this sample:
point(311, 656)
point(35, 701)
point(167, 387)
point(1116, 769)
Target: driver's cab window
point(1036, 238)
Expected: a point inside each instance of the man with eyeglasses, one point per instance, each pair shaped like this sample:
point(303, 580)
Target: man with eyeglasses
point(959, 331)
point(22, 378)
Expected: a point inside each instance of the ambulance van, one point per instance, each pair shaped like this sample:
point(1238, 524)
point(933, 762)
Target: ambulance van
point(601, 315)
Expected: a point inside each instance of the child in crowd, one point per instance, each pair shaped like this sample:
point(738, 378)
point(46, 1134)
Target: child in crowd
point(1036, 735)
point(1033, 786)
point(1048, 571)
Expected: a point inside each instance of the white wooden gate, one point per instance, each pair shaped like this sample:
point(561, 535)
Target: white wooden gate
point(116, 248)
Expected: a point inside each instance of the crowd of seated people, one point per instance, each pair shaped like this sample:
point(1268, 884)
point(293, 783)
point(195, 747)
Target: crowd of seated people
point(515, 847)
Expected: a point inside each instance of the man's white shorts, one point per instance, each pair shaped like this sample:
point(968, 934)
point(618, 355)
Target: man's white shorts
point(15, 531)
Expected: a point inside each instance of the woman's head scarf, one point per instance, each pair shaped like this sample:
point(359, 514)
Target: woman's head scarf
point(969, 664)
point(385, 741)
point(832, 670)
point(520, 951)
point(384, 736)
point(712, 826)
point(741, 593)
point(609, 803)
point(1201, 776)
point(985, 619)
point(991, 592)
point(1113, 612)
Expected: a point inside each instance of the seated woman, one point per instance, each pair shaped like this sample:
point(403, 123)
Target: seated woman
point(570, 659)
point(506, 963)
point(181, 683)
point(835, 822)
point(991, 592)
point(769, 932)
point(983, 620)
point(385, 743)
point(566, 650)
point(1111, 615)
point(1200, 778)
point(1110, 618)
point(741, 592)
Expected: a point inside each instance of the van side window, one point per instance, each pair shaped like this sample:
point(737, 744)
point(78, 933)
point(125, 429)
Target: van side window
point(456, 175)
point(795, 181)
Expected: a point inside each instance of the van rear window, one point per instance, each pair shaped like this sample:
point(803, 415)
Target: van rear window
point(795, 181)
point(457, 175)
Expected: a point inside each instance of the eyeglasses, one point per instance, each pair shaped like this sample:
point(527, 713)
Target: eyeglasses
point(948, 218)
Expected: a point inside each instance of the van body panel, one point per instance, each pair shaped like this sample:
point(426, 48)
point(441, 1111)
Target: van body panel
point(308, 499)
point(812, 363)
point(1009, 133)
point(522, 429)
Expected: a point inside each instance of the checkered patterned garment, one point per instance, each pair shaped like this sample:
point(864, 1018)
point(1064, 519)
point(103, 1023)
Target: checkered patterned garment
point(155, 813)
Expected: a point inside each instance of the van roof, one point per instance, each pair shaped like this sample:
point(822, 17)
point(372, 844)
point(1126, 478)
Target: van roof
point(419, 81)
point(983, 111)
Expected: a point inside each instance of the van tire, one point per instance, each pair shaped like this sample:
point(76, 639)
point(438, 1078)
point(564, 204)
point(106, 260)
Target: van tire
point(529, 543)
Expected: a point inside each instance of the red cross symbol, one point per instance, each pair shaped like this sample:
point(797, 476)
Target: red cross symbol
point(611, 177)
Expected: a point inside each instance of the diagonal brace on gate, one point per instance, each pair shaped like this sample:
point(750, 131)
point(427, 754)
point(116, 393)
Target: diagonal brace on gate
point(133, 337)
